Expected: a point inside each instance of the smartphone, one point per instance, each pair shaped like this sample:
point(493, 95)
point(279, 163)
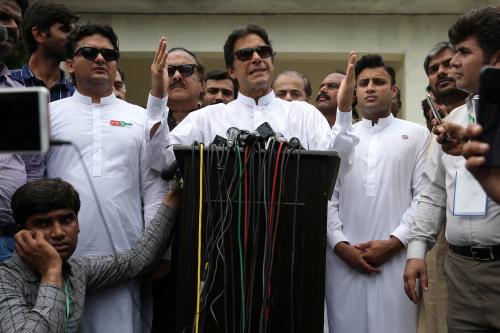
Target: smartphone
point(24, 127)
point(435, 112)
point(488, 115)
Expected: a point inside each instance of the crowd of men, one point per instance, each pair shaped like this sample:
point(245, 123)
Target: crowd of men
point(85, 229)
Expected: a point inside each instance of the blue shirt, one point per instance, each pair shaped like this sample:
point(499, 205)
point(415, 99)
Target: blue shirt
point(64, 88)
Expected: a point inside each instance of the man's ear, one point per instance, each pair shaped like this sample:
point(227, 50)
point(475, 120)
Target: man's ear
point(38, 35)
point(394, 91)
point(70, 66)
point(495, 59)
point(231, 73)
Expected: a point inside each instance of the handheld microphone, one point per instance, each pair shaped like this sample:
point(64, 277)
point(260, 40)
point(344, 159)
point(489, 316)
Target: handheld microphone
point(294, 143)
point(168, 172)
point(265, 130)
point(248, 138)
point(232, 136)
point(279, 137)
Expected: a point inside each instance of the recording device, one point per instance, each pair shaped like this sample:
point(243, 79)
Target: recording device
point(435, 112)
point(294, 143)
point(25, 122)
point(248, 138)
point(265, 130)
point(233, 135)
point(219, 141)
point(488, 115)
point(171, 170)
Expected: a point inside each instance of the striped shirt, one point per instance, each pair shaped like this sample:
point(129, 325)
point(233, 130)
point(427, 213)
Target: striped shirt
point(64, 88)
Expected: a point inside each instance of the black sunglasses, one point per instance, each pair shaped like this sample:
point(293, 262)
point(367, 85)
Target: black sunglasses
point(246, 53)
point(184, 70)
point(91, 53)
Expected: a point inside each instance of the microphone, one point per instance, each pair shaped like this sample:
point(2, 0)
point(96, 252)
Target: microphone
point(265, 130)
point(279, 137)
point(3, 34)
point(248, 138)
point(294, 143)
point(233, 135)
point(168, 172)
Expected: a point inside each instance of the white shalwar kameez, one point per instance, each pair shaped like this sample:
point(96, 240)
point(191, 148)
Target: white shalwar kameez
point(291, 119)
point(111, 137)
point(376, 198)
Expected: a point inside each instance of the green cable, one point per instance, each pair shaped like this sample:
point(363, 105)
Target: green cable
point(239, 241)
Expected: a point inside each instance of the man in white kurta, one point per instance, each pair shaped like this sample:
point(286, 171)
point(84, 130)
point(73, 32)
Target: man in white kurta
point(256, 104)
point(372, 207)
point(109, 132)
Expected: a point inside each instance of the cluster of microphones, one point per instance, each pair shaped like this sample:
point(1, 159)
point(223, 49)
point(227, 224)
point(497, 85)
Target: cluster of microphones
point(264, 134)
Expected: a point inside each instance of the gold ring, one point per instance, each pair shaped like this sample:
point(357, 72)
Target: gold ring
point(159, 67)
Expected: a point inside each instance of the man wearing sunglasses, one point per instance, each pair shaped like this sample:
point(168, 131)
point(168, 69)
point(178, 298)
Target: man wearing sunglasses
point(186, 83)
point(249, 57)
point(109, 132)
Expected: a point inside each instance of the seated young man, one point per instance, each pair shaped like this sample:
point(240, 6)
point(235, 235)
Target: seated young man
point(42, 287)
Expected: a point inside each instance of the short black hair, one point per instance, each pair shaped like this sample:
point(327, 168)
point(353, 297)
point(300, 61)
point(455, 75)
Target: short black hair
point(23, 4)
point(122, 73)
point(438, 48)
point(43, 14)
point(42, 196)
point(374, 61)
point(218, 75)
point(90, 29)
point(482, 23)
point(305, 79)
point(240, 33)
point(200, 67)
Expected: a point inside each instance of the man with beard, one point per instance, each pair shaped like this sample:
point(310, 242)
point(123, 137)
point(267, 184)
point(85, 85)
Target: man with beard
point(326, 100)
point(441, 76)
point(46, 28)
point(119, 86)
point(446, 97)
point(219, 88)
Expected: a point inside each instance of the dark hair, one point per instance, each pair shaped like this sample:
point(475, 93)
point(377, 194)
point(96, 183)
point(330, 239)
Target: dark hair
point(44, 15)
point(483, 24)
point(43, 196)
point(374, 61)
point(122, 73)
point(23, 4)
point(218, 75)
point(90, 29)
point(438, 48)
point(240, 33)
point(305, 79)
point(199, 64)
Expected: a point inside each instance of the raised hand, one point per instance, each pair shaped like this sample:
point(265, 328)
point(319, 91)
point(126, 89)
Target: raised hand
point(158, 80)
point(345, 94)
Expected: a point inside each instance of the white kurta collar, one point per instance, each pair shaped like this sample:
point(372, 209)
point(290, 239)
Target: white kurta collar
point(87, 100)
point(264, 100)
point(382, 122)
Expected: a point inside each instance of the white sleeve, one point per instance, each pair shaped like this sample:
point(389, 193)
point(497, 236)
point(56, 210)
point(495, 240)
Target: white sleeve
point(344, 140)
point(403, 230)
point(156, 114)
point(334, 227)
point(431, 209)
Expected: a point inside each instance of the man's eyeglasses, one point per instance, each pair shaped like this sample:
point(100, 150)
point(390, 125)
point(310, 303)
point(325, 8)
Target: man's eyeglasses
point(184, 70)
point(246, 53)
point(92, 52)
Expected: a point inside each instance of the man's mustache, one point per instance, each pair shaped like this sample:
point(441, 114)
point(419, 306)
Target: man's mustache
point(322, 95)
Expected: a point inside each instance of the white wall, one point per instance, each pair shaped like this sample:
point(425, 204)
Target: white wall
point(316, 43)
